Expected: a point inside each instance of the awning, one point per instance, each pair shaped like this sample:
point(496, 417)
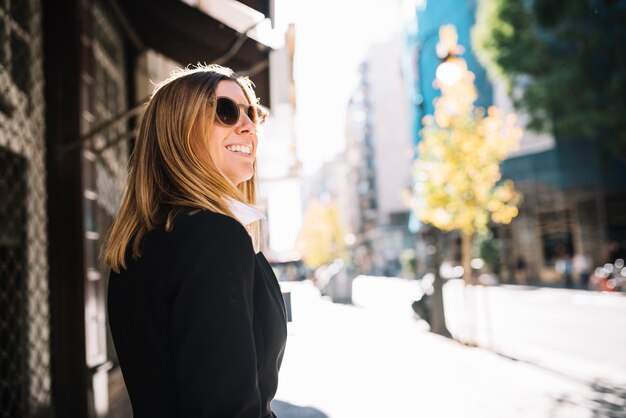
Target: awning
point(189, 36)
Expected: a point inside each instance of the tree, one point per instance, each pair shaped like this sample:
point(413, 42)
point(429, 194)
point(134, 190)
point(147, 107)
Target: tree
point(321, 240)
point(457, 170)
point(568, 58)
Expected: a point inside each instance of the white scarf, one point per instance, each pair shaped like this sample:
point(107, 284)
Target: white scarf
point(246, 214)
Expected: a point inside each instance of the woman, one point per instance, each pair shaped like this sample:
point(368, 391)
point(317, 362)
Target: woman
point(196, 314)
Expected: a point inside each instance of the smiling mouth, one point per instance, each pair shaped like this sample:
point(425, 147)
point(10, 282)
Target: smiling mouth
point(241, 149)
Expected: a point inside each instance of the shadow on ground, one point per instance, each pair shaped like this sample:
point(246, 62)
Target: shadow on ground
point(606, 400)
point(287, 410)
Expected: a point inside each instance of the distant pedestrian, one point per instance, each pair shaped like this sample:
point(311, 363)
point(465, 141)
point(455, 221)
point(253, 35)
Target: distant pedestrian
point(567, 273)
point(521, 271)
point(195, 312)
point(563, 266)
point(581, 266)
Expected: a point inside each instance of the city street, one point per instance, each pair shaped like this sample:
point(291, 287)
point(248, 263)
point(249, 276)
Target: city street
point(345, 361)
point(577, 333)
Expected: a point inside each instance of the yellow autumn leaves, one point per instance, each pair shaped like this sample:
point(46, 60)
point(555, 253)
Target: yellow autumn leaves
point(457, 171)
point(321, 239)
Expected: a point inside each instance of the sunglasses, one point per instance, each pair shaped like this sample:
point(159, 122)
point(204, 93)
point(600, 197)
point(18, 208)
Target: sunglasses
point(228, 111)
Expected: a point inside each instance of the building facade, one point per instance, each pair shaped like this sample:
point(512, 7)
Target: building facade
point(73, 77)
point(25, 360)
point(277, 162)
point(378, 153)
point(571, 218)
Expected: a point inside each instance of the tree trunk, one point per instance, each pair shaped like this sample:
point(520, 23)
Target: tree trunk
point(438, 317)
point(468, 291)
point(466, 250)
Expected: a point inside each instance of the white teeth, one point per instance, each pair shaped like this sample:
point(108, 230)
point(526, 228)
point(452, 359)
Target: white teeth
point(244, 149)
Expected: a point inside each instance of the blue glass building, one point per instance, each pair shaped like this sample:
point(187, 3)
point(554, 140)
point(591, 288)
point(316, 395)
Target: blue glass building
point(431, 15)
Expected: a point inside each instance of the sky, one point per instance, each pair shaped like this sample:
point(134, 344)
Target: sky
point(332, 37)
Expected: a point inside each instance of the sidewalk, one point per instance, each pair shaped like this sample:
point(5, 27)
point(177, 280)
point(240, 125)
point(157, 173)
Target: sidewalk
point(519, 336)
point(347, 362)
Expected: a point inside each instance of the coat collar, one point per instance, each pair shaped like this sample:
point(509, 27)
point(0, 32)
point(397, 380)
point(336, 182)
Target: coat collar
point(246, 214)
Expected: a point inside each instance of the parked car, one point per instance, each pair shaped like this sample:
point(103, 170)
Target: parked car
point(609, 278)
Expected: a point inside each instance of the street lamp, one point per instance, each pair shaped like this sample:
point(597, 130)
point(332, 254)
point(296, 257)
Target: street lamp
point(414, 224)
point(452, 68)
point(450, 72)
point(425, 40)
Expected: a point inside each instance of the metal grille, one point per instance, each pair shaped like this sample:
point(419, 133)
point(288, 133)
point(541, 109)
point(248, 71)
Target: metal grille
point(24, 317)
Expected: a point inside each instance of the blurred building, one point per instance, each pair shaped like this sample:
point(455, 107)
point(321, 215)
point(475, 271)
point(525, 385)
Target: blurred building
point(73, 77)
point(572, 216)
point(378, 154)
point(278, 166)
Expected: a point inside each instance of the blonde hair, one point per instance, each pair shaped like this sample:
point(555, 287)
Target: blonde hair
point(165, 170)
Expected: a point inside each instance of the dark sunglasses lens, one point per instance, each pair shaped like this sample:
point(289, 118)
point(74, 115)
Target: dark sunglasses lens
point(251, 112)
point(227, 111)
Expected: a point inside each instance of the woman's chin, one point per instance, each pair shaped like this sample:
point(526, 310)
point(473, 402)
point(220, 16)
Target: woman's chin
point(241, 178)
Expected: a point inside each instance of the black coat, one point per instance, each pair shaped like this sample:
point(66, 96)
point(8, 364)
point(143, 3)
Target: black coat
point(198, 322)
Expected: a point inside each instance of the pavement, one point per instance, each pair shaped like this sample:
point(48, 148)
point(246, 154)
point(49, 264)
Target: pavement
point(345, 361)
point(576, 333)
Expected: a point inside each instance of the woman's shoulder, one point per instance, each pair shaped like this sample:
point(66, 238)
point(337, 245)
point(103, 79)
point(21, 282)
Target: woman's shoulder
point(201, 239)
point(202, 218)
point(201, 224)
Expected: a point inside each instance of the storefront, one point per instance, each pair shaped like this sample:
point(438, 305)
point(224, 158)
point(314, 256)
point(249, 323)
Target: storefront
point(72, 74)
